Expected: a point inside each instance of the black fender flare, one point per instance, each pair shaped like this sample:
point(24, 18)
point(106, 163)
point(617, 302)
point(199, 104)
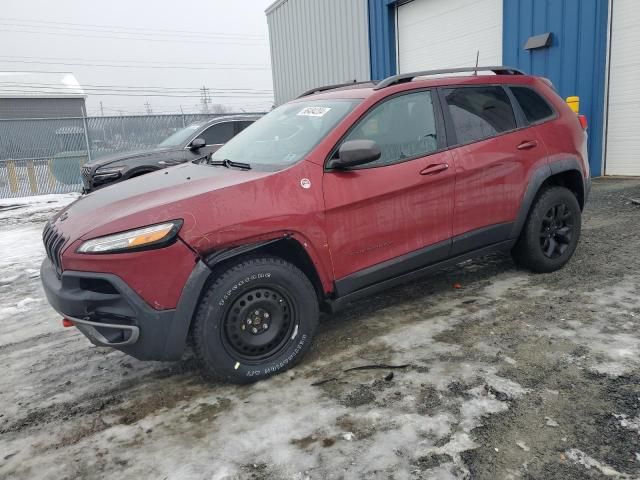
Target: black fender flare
point(538, 177)
point(192, 291)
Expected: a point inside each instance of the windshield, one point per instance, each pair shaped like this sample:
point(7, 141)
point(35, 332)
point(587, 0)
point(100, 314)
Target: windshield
point(181, 136)
point(285, 135)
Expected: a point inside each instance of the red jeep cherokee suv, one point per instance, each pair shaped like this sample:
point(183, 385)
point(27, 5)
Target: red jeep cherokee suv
point(340, 193)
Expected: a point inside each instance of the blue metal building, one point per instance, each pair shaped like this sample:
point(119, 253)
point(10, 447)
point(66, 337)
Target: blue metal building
point(586, 48)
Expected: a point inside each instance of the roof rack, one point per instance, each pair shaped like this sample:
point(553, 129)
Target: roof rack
point(331, 87)
point(407, 77)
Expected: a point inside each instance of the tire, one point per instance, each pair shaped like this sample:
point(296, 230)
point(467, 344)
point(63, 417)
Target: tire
point(256, 319)
point(551, 233)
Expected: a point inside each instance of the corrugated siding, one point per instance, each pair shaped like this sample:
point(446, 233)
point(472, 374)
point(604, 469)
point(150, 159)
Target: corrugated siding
point(576, 60)
point(315, 43)
point(382, 35)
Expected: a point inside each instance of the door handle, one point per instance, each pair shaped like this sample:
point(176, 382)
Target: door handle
point(435, 168)
point(528, 145)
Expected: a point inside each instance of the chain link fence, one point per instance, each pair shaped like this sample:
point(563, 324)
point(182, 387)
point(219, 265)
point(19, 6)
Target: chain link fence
point(39, 156)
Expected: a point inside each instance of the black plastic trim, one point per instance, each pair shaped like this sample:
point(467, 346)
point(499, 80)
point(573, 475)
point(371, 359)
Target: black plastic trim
point(338, 303)
point(226, 254)
point(475, 239)
point(392, 268)
point(538, 177)
point(162, 333)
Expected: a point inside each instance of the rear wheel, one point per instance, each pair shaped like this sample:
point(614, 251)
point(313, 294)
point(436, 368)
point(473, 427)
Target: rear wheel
point(257, 319)
point(551, 232)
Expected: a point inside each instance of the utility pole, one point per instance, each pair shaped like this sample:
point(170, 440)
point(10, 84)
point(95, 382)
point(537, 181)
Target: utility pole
point(147, 107)
point(101, 109)
point(205, 99)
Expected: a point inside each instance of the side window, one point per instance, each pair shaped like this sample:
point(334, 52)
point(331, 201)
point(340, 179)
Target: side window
point(241, 126)
point(219, 133)
point(534, 107)
point(403, 127)
point(479, 112)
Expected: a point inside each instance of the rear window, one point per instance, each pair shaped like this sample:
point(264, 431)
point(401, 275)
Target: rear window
point(479, 112)
point(534, 107)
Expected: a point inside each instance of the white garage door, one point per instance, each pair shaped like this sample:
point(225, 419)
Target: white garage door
point(623, 131)
point(448, 33)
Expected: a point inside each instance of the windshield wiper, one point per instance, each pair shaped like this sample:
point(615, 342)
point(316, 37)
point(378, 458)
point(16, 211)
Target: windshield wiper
point(229, 163)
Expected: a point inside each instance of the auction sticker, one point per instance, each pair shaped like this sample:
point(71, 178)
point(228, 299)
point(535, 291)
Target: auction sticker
point(313, 111)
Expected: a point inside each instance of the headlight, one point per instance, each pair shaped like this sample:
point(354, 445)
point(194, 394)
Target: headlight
point(153, 236)
point(109, 172)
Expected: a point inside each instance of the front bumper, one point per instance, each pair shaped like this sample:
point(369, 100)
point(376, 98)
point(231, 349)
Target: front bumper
point(110, 313)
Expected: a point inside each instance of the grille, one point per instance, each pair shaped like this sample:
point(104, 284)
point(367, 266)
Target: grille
point(53, 242)
point(86, 176)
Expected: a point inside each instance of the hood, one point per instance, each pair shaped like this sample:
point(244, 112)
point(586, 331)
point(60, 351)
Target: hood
point(116, 157)
point(159, 196)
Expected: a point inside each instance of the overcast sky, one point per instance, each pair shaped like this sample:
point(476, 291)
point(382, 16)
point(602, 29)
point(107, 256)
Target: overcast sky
point(220, 44)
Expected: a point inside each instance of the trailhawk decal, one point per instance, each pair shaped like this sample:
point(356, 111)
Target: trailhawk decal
point(255, 276)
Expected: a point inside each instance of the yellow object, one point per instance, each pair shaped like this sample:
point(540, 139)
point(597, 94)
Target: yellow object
point(13, 176)
point(574, 103)
point(31, 174)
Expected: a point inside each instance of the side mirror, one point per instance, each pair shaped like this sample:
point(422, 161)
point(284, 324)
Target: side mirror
point(197, 143)
point(355, 152)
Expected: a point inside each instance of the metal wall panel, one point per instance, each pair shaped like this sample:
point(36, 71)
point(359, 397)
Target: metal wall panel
point(576, 60)
point(316, 43)
point(382, 35)
point(623, 142)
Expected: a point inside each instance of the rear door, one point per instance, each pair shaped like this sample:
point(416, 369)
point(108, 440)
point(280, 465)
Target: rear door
point(494, 153)
point(381, 216)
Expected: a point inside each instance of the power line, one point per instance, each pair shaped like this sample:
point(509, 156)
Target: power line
point(158, 31)
point(134, 61)
point(111, 65)
point(128, 89)
point(222, 95)
point(246, 43)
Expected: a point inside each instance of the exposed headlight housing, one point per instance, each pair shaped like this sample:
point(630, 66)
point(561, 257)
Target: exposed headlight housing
point(145, 238)
point(108, 173)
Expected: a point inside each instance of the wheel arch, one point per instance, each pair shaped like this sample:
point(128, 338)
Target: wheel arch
point(566, 173)
point(288, 248)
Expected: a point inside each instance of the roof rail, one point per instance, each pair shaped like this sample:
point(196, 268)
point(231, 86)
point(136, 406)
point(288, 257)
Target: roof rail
point(331, 87)
point(407, 77)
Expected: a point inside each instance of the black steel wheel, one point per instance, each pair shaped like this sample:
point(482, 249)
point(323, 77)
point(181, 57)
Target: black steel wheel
point(551, 232)
point(256, 319)
point(258, 323)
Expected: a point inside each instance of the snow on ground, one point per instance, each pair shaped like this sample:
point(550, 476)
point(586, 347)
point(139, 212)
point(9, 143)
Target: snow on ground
point(512, 376)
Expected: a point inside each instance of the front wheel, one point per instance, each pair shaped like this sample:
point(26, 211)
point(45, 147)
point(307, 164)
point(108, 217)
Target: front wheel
point(257, 319)
point(551, 233)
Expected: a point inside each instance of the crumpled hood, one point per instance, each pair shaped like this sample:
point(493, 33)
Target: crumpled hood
point(116, 157)
point(153, 198)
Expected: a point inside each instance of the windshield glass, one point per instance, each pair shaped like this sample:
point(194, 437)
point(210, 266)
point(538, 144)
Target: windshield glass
point(285, 135)
point(181, 136)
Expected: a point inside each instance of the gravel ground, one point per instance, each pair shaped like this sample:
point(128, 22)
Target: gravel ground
point(512, 375)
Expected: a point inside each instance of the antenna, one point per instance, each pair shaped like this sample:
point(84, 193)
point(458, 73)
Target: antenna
point(475, 72)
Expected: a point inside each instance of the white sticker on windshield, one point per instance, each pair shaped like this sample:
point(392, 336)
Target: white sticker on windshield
point(313, 111)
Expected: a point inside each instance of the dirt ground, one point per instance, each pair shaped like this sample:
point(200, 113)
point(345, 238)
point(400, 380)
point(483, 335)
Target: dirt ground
point(513, 375)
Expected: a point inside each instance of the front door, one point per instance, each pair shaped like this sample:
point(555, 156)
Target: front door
point(395, 214)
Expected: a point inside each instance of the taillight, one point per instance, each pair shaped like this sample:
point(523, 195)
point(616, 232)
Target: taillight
point(583, 121)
